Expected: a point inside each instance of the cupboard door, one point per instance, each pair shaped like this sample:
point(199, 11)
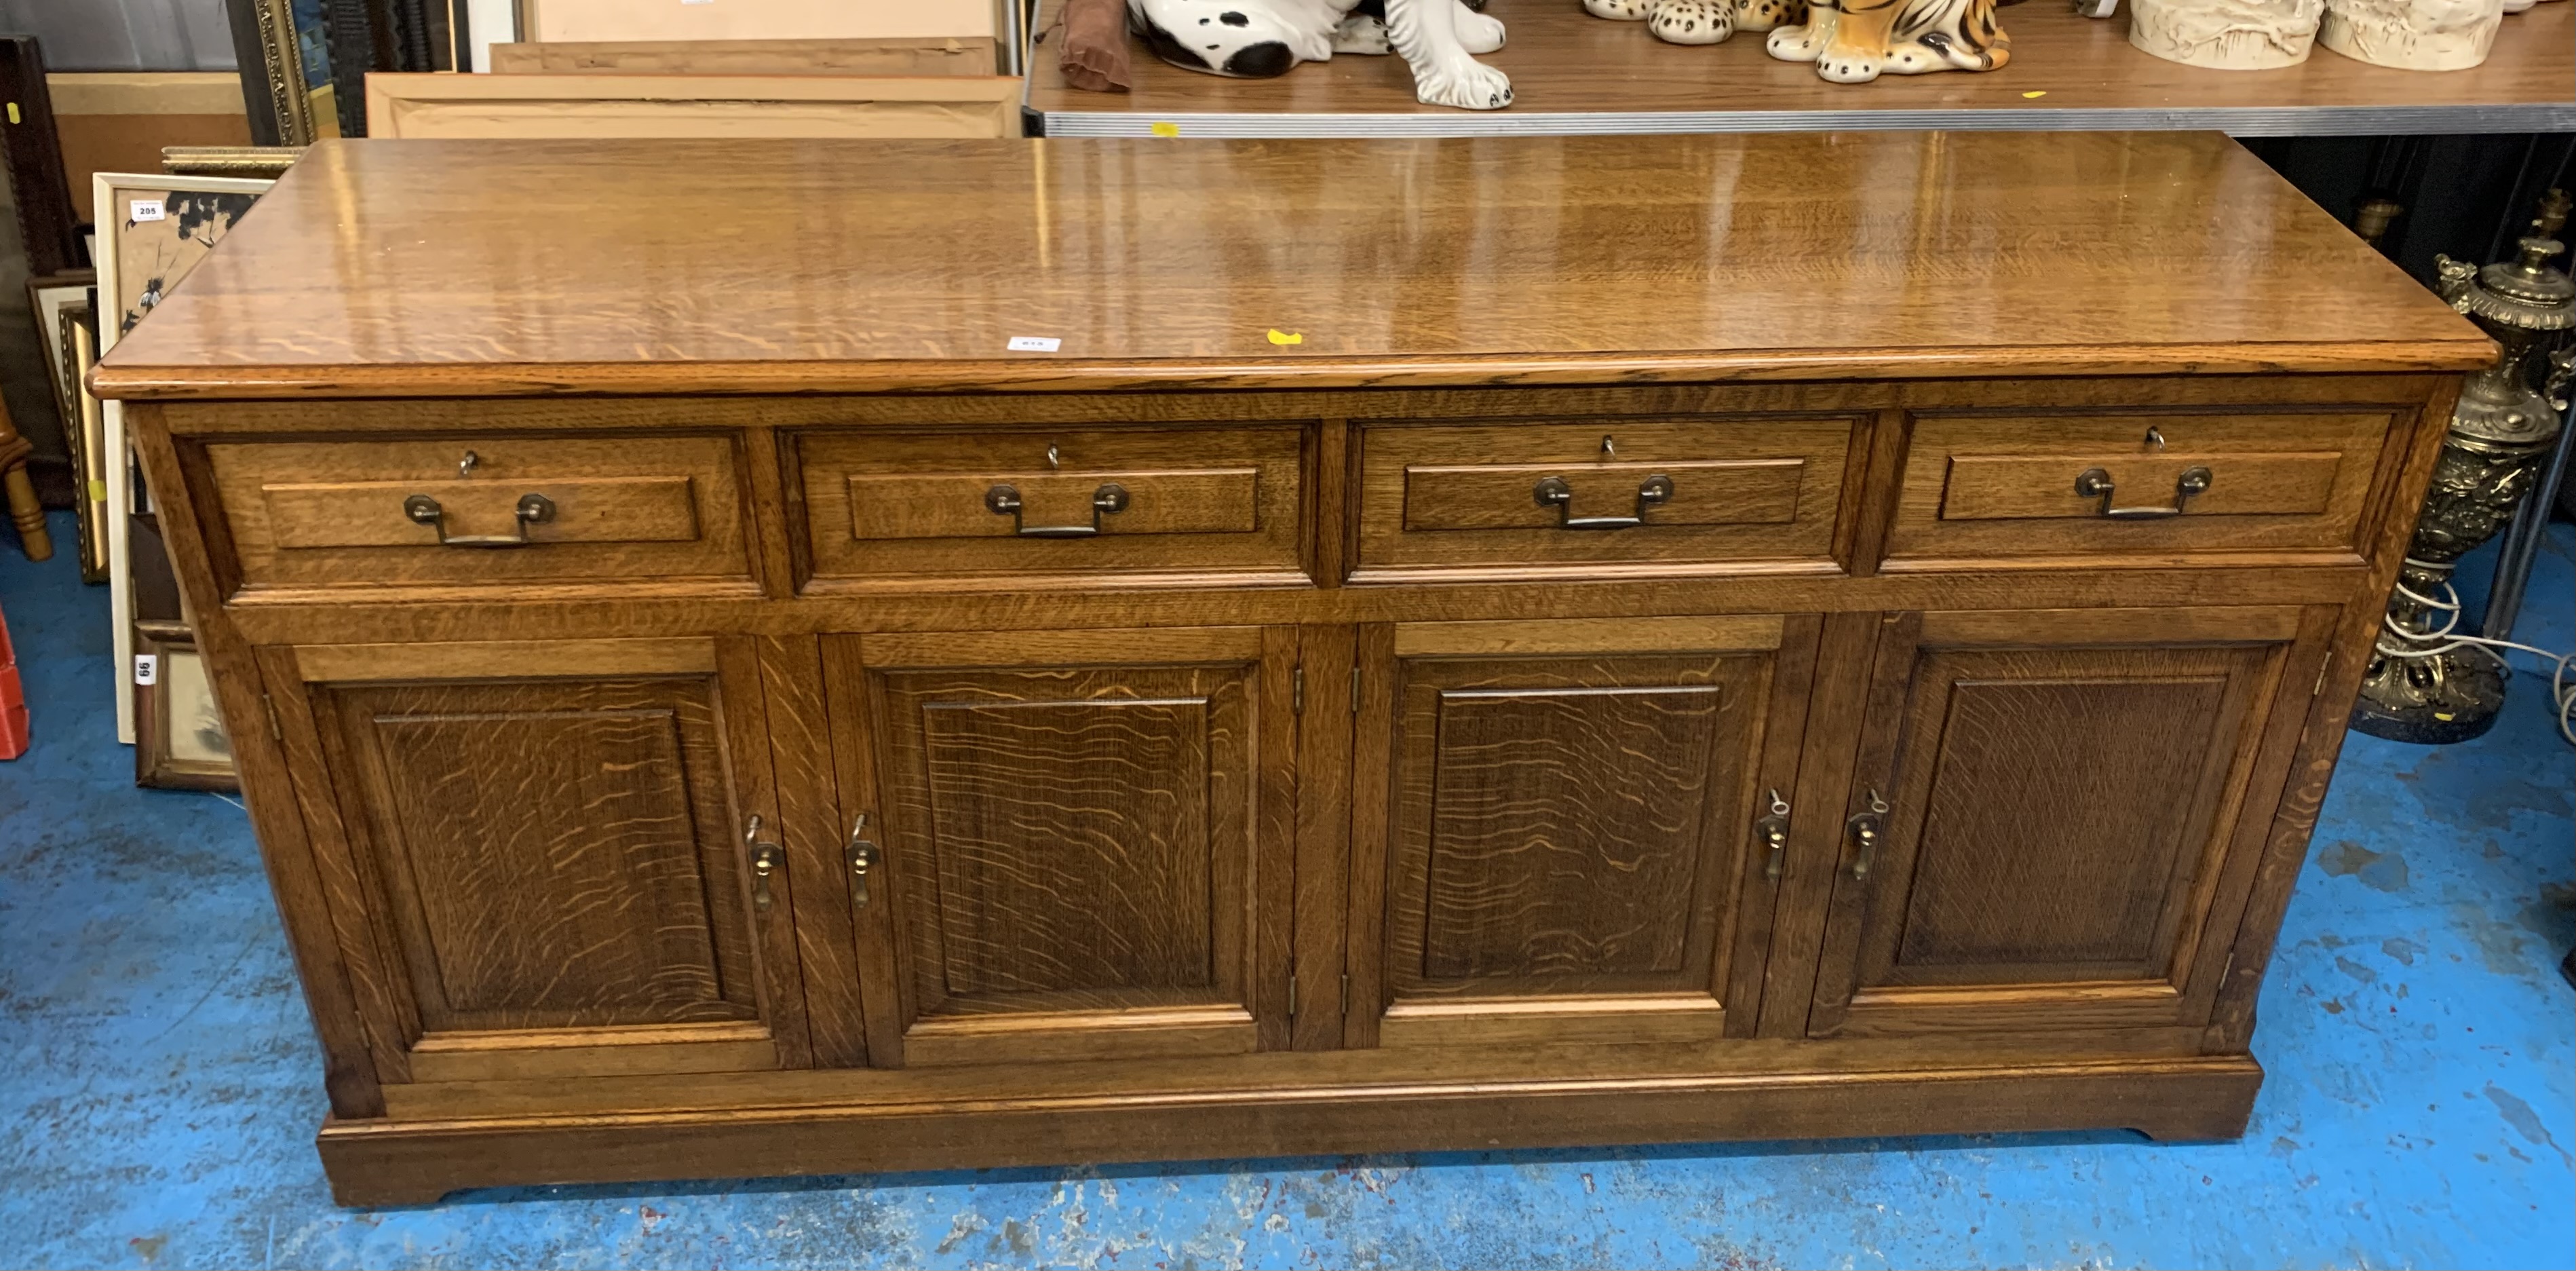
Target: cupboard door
point(2057, 814)
point(1087, 839)
point(1560, 827)
point(544, 858)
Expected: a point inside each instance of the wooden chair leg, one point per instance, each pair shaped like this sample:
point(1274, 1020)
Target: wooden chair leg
point(21, 492)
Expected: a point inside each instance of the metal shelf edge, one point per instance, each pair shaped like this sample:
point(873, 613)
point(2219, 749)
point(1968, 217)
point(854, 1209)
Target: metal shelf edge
point(2241, 121)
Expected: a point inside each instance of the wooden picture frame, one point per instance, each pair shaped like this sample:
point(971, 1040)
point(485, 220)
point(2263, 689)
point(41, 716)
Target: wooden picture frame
point(33, 150)
point(587, 106)
point(180, 739)
point(945, 55)
point(141, 259)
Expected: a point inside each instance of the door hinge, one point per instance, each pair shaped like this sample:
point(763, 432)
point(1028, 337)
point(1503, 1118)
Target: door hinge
point(1297, 691)
point(1355, 690)
point(276, 731)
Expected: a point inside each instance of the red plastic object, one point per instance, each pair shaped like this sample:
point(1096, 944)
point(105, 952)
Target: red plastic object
point(13, 699)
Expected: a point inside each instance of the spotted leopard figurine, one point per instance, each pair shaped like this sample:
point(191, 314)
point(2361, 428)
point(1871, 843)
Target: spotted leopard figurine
point(1856, 41)
point(1699, 21)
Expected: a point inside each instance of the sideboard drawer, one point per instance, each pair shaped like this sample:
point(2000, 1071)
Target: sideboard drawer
point(888, 506)
point(485, 508)
point(2156, 487)
point(1669, 494)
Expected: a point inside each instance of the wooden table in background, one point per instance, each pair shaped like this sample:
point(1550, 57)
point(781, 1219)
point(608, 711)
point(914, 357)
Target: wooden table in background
point(1574, 73)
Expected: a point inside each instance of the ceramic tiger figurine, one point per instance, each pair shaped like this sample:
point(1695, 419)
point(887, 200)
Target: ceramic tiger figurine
point(1700, 21)
point(1856, 41)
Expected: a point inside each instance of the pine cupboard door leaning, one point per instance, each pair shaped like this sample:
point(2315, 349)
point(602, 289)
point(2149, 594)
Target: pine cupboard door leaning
point(1086, 840)
point(2055, 815)
point(548, 859)
point(1570, 830)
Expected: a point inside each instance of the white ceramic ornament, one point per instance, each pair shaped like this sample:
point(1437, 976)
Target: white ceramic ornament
point(1700, 21)
point(2413, 35)
point(2227, 35)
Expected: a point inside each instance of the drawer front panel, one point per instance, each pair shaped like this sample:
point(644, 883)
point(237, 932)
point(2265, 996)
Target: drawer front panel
point(926, 505)
point(2163, 486)
point(415, 511)
point(1677, 494)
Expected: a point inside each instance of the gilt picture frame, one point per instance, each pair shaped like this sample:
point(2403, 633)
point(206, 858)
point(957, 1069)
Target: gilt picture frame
point(153, 229)
point(284, 49)
point(60, 306)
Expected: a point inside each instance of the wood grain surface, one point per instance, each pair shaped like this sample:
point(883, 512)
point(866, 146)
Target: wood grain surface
point(2062, 794)
point(1084, 849)
point(544, 840)
point(1563, 59)
point(453, 267)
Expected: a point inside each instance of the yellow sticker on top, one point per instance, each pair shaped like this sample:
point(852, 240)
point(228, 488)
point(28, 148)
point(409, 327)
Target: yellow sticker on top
point(2041, 93)
point(1278, 336)
point(1165, 130)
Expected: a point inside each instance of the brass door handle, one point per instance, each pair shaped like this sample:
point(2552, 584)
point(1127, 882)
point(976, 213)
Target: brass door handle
point(1774, 830)
point(765, 860)
point(1865, 829)
point(1556, 492)
point(2095, 483)
point(1004, 500)
point(532, 509)
point(861, 856)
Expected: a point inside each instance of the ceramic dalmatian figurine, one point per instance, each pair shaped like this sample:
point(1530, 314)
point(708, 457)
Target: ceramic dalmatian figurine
point(1700, 21)
point(1262, 38)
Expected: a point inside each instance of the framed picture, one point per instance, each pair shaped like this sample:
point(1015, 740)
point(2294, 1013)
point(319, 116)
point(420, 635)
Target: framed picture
point(34, 157)
point(284, 48)
point(638, 105)
point(154, 228)
point(71, 347)
point(180, 743)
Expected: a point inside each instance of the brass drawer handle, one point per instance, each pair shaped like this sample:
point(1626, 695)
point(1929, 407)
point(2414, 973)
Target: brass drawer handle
point(1865, 829)
point(765, 860)
point(1556, 492)
point(1004, 500)
point(1774, 830)
point(532, 509)
point(2096, 484)
point(861, 856)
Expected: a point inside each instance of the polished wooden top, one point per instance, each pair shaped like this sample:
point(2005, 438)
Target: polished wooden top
point(457, 267)
point(1563, 59)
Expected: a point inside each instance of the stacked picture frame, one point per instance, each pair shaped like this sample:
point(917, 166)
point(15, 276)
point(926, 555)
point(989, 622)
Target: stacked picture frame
point(153, 228)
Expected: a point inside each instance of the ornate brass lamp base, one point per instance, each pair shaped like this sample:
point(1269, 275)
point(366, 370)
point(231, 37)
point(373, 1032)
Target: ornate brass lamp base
point(2449, 697)
point(2423, 685)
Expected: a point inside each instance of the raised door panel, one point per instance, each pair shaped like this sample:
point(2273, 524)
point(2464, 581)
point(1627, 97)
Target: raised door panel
point(2049, 805)
point(1087, 836)
point(1568, 826)
point(552, 870)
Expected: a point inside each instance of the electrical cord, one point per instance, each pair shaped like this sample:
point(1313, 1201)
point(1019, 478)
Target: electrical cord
point(2562, 690)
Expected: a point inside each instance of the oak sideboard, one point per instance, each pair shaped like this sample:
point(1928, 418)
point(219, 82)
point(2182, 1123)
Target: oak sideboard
point(775, 658)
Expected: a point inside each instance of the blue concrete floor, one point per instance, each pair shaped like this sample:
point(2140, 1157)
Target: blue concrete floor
point(160, 1087)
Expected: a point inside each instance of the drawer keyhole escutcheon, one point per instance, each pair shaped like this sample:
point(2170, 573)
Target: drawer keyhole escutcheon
point(765, 860)
point(2095, 483)
point(465, 466)
point(1558, 493)
point(532, 509)
point(1866, 828)
point(1004, 500)
point(862, 857)
point(1774, 830)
